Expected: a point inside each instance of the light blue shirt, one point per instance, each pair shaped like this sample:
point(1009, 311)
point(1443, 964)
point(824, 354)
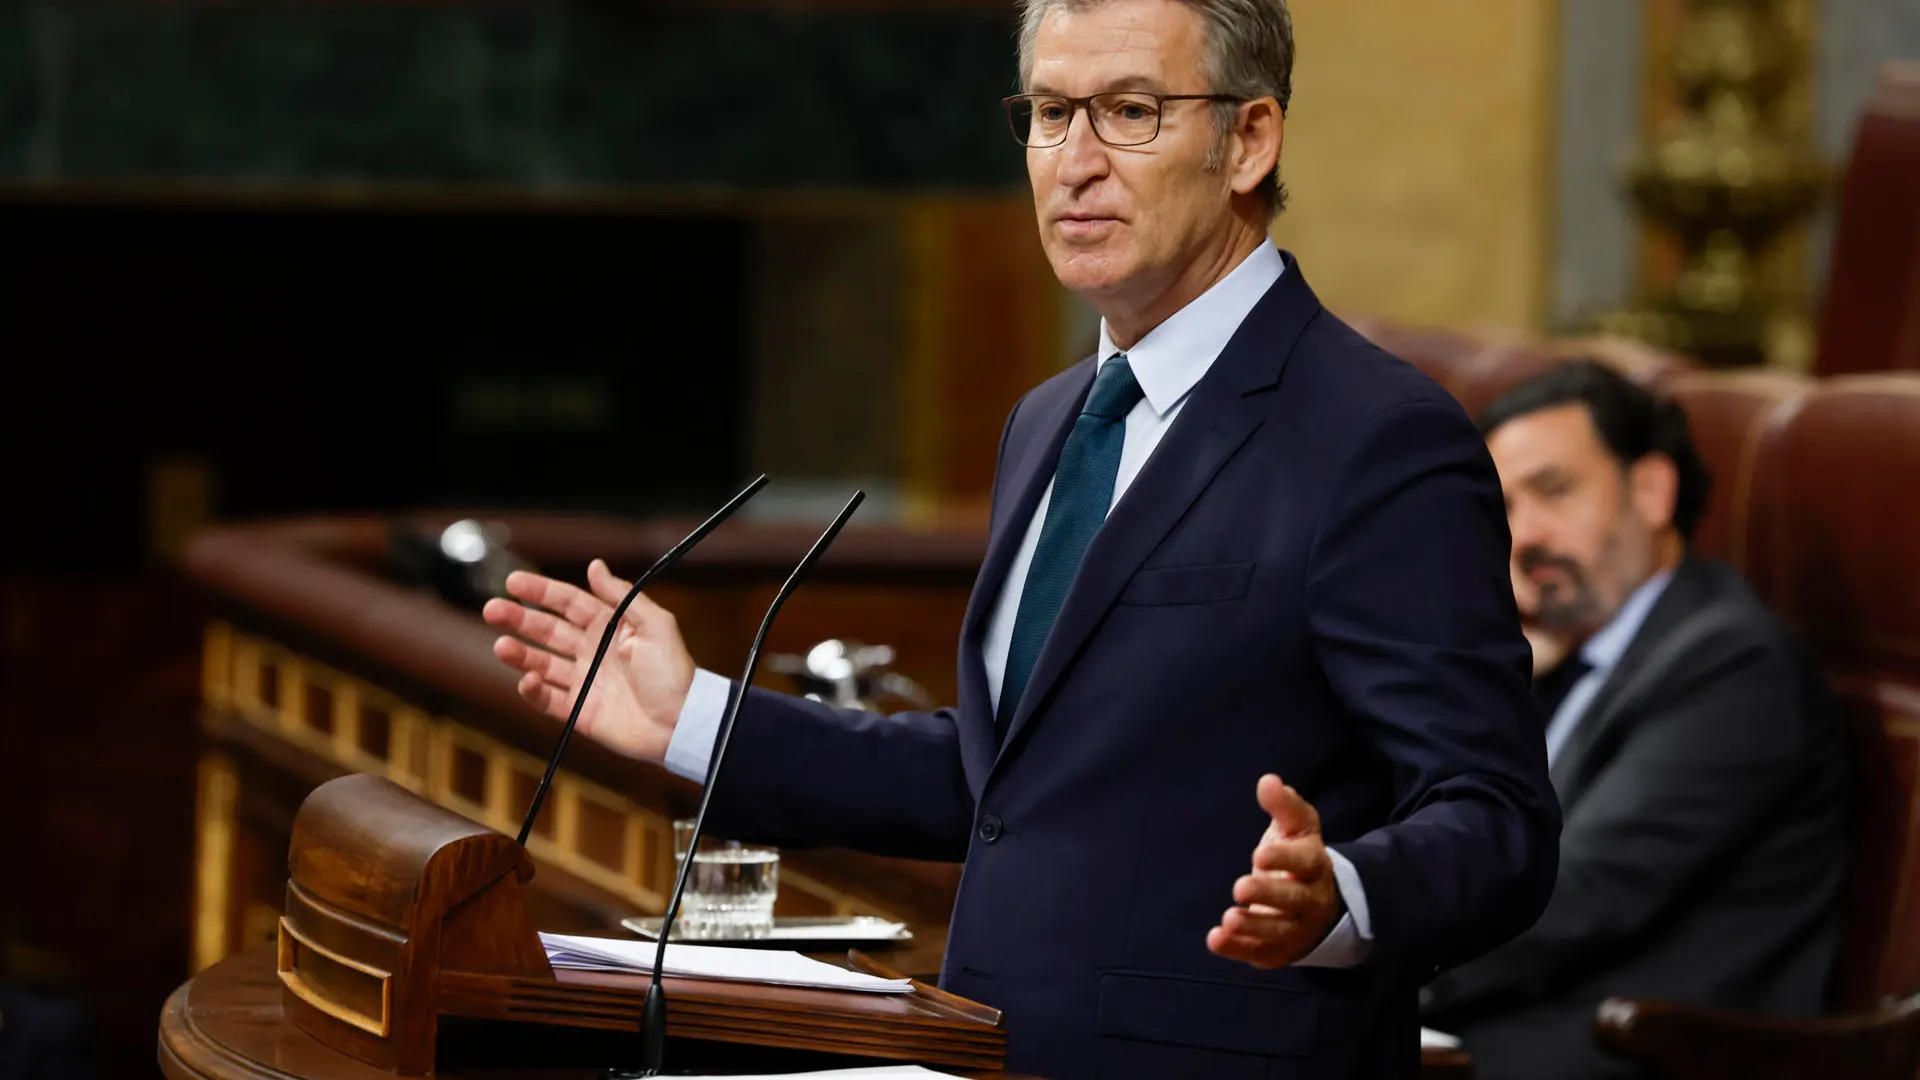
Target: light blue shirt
point(1602, 652)
point(1168, 362)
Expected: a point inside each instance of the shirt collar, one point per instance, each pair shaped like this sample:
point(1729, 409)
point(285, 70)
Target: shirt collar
point(1174, 355)
point(1604, 649)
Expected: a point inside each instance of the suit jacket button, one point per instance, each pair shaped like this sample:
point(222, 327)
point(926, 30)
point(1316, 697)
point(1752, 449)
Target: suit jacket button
point(990, 829)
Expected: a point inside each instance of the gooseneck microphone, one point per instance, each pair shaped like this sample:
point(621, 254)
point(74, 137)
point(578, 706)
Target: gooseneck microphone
point(653, 1022)
point(606, 638)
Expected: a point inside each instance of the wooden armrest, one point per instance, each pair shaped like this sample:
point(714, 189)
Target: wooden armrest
point(1686, 1042)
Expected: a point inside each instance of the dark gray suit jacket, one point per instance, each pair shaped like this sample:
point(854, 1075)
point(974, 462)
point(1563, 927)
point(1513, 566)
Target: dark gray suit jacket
point(1705, 794)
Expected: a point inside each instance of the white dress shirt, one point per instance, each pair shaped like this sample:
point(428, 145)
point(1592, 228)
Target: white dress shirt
point(1602, 652)
point(1168, 362)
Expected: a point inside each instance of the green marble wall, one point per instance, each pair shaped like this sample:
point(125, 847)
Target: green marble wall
point(546, 96)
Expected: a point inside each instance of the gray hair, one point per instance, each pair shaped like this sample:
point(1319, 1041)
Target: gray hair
point(1249, 54)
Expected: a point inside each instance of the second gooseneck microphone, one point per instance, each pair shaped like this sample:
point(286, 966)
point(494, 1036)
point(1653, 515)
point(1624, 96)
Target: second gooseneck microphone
point(606, 638)
point(653, 1022)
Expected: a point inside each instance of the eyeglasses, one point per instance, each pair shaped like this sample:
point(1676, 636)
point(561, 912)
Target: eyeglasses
point(1119, 119)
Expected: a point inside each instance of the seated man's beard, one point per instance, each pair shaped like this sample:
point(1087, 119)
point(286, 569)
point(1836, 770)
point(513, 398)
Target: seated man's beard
point(1568, 605)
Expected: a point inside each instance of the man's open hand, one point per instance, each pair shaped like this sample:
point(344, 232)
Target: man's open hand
point(1288, 903)
point(551, 631)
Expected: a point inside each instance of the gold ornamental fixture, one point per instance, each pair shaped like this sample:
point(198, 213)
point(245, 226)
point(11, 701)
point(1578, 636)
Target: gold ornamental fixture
point(1727, 181)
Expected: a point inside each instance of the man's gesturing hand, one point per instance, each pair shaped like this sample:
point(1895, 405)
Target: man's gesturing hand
point(552, 634)
point(1288, 903)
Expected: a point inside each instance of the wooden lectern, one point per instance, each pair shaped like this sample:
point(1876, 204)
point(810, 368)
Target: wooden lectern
point(400, 913)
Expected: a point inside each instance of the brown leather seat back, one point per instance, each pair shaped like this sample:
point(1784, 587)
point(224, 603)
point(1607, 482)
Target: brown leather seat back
point(1735, 418)
point(1497, 369)
point(1440, 353)
point(1501, 366)
point(1846, 554)
point(1870, 319)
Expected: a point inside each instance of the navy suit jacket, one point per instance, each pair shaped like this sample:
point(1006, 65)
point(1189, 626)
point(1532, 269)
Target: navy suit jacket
point(1308, 577)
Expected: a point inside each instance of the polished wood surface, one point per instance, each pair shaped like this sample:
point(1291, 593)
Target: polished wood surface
point(228, 1023)
point(401, 914)
point(387, 895)
point(1690, 1043)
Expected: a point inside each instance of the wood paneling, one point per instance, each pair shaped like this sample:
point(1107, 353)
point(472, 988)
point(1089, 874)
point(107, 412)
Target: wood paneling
point(1424, 194)
point(983, 328)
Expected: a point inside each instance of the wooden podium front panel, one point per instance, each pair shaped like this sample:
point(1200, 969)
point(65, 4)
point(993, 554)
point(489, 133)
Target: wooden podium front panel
point(228, 1024)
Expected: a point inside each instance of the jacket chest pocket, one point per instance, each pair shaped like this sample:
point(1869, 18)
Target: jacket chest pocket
point(1188, 585)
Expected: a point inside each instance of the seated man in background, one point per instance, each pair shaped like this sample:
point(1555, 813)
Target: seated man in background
point(1702, 777)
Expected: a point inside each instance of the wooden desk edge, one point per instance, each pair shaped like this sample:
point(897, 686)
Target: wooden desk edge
point(187, 1053)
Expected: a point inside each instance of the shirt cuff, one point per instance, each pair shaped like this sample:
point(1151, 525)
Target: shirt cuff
point(1352, 937)
point(690, 747)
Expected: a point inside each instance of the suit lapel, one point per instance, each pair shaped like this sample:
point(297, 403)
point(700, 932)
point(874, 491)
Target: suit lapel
point(1029, 465)
point(1226, 407)
point(1685, 594)
point(1182, 466)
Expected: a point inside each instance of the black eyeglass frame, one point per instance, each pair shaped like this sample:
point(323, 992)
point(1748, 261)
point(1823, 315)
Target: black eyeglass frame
point(1078, 104)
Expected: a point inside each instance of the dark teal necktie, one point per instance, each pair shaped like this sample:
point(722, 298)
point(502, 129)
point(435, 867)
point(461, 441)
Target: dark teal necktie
point(1082, 492)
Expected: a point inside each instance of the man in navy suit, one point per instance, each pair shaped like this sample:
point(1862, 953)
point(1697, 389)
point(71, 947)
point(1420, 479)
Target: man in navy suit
point(1238, 544)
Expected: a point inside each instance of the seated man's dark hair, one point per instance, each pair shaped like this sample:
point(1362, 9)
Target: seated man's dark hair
point(1632, 420)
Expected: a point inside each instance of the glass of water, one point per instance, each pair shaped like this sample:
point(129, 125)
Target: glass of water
point(731, 890)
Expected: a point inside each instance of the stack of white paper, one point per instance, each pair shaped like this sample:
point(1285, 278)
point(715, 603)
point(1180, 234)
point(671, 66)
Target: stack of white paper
point(713, 962)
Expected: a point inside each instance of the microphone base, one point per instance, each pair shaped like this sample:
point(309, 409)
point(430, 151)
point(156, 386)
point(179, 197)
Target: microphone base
point(653, 1038)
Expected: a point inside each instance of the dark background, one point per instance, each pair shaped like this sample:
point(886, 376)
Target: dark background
point(347, 257)
point(362, 360)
